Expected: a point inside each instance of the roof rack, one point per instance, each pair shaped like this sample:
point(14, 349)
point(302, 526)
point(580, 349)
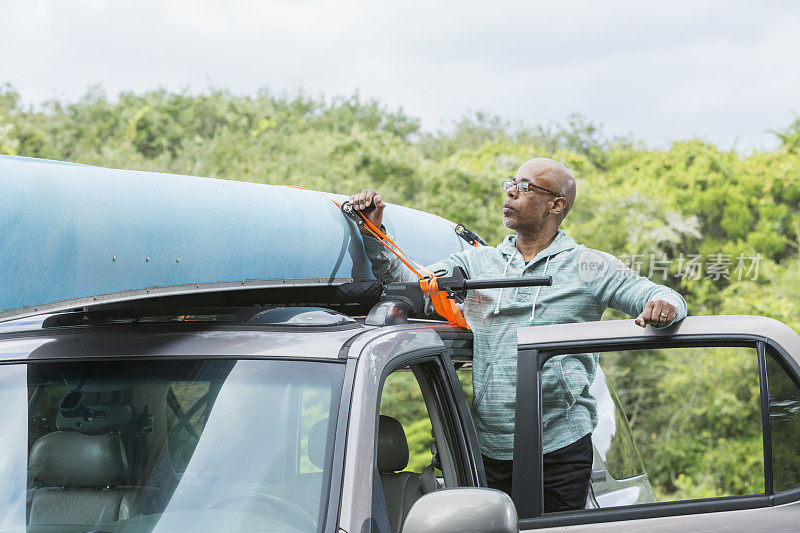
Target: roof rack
point(231, 315)
point(274, 315)
point(351, 296)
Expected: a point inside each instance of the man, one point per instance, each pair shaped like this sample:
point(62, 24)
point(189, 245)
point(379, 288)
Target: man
point(585, 283)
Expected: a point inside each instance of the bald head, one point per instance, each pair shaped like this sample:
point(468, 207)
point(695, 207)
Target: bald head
point(551, 175)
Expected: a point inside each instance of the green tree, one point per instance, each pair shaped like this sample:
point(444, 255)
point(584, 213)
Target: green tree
point(691, 199)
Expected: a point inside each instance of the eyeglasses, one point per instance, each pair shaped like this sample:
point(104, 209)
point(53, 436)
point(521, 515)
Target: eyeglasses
point(525, 186)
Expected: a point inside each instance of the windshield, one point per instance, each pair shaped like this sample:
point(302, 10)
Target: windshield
point(189, 445)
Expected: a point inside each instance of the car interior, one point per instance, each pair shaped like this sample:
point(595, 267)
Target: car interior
point(111, 449)
point(81, 479)
point(403, 486)
point(82, 434)
point(401, 489)
point(93, 440)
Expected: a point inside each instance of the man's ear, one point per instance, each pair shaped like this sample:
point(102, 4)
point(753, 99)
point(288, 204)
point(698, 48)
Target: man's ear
point(559, 204)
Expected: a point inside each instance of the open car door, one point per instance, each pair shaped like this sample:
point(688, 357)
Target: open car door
point(730, 395)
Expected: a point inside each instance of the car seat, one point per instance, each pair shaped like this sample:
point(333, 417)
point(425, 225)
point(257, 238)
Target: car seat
point(400, 489)
point(83, 477)
point(306, 489)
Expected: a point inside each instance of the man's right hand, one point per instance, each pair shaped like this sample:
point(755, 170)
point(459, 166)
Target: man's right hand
point(371, 205)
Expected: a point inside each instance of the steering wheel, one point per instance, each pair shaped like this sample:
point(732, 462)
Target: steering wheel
point(292, 513)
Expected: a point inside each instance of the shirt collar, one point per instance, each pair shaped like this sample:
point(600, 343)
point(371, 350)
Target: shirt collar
point(560, 243)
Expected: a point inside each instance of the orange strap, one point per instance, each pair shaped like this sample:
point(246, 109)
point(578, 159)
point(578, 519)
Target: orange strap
point(443, 305)
point(429, 284)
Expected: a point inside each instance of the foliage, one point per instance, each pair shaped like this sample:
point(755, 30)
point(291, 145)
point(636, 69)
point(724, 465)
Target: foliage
point(402, 399)
point(689, 199)
point(695, 416)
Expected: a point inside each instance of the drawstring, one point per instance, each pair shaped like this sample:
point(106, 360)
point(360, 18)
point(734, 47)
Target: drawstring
point(497, 309)
point(539, 288)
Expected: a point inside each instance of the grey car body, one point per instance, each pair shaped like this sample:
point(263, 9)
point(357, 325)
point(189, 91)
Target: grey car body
point(368, 354)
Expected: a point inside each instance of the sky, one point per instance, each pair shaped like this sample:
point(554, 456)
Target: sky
point(725, 72)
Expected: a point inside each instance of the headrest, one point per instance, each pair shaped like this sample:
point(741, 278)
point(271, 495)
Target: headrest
point(76, 414)
point(316, 443)
point(72, 459)
point(392, 445)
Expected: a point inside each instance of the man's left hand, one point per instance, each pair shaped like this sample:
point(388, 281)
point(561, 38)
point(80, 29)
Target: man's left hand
point(658, 312)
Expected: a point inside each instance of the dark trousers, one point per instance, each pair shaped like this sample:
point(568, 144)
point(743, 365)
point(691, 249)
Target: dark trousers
point(567, 474)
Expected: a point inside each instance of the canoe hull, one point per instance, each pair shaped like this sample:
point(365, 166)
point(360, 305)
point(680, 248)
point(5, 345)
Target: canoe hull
point(75, 231)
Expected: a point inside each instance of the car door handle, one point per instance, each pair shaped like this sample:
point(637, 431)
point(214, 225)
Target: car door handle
point(598, 475)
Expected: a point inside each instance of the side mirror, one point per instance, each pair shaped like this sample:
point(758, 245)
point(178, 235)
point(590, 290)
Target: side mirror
point(462, 510)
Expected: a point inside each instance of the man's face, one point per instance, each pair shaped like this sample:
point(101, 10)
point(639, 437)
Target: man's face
point(527, 211)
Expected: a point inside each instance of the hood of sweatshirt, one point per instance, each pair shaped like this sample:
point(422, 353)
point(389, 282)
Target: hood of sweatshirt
point(509, 250)
point(560, 243)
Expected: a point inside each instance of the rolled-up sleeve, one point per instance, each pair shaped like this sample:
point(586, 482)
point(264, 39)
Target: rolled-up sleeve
point(623, 289)
point(387, 267)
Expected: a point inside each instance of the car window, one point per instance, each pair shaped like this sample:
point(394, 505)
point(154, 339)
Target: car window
point(696, 420)
point(616, 454)
point(464, 374)
point(784, 420)
point(315, 403)
point(206, 445)
point(402, 400)
point(416, 412)
point(693, 413)
point(404, 457)
point(186, 412)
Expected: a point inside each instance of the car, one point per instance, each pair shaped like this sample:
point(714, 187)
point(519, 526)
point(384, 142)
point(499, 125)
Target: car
point(179, 353)
point(270, 418)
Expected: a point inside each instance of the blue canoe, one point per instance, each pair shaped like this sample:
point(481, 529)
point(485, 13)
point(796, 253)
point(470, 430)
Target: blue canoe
point(75, 234)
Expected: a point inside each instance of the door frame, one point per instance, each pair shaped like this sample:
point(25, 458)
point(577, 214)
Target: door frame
point(528, 469)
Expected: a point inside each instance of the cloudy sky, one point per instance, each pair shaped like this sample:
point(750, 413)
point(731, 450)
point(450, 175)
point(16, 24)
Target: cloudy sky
point(722, 71)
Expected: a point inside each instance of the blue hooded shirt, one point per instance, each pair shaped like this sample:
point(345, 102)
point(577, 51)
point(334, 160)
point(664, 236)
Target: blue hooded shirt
point(585, 283)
